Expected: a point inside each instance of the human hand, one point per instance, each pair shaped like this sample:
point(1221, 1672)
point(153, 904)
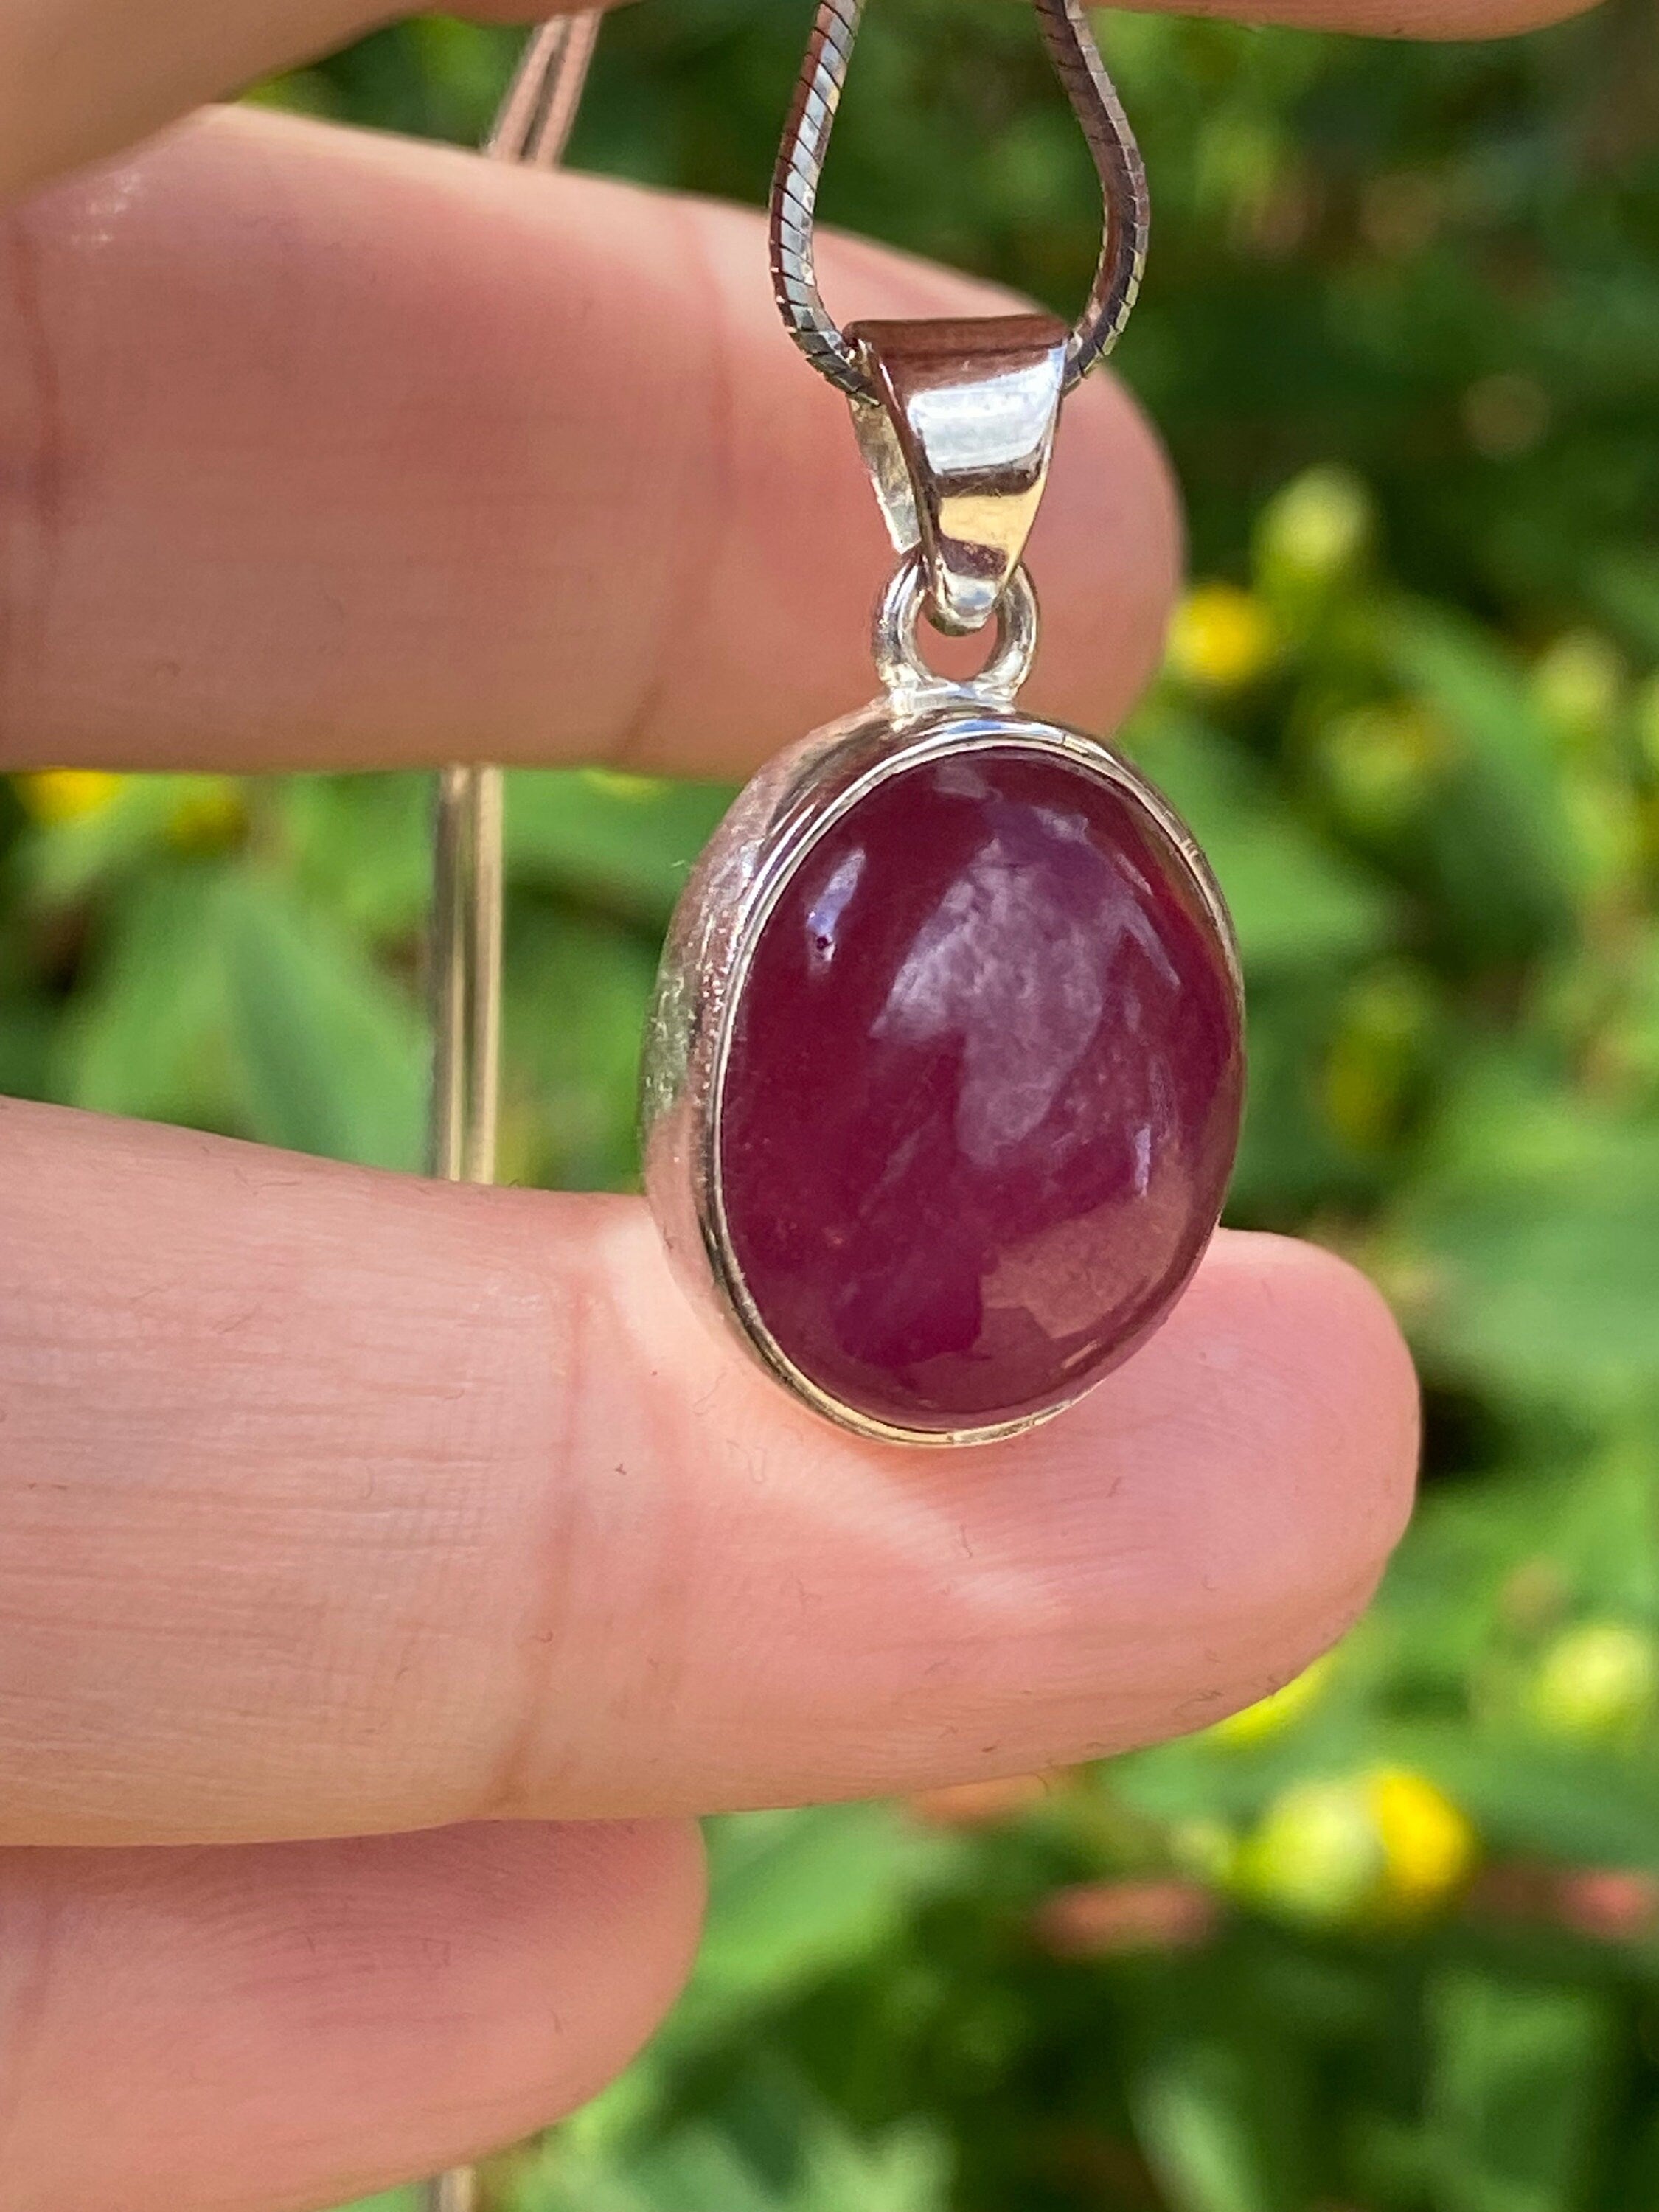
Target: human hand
point(332, 1505)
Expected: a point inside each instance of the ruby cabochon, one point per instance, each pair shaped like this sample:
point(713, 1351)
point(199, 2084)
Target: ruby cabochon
point(944, 1076)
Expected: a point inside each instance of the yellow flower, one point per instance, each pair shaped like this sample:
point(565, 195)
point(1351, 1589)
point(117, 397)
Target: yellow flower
point(1364, 1849)
point(1598, 1680)
point(1220, 638)
point(1270, 1714)
point(1429, 1845)
point(67, 795)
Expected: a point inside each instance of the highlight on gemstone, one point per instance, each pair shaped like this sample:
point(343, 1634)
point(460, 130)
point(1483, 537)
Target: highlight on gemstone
point(980, 1093)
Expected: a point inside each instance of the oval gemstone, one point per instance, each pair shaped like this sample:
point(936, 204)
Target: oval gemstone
point(982, 1094)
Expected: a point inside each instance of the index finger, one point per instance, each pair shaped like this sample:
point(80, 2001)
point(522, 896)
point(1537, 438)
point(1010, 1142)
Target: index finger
point(80, 78)
point(334, 1501)
point(83, 78)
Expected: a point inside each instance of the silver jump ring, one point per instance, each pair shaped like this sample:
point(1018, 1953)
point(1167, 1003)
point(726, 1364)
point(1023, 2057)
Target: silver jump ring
point(898, 657)
point(794, 204)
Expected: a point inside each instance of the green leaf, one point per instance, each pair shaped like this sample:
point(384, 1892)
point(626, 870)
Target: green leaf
point(1497, 831)
point(1288, 1157)
point(623, 842)
point(1536, 1221)
point(1534, 1799)
point(1296, 902)
point(575, 994)
point(27, 1036)
point(772, 2143)
point(362, 846)
point(1204, 2116)
point(1518, 2080)
point(794, 1896)
point(1626, 585)
point(1637, 2188)
point(332, 1056)
point(148, 1033)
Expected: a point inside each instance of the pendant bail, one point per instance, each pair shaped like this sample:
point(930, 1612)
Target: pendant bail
point(957, 441)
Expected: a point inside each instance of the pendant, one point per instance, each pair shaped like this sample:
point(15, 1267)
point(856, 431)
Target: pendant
point(944, 1074)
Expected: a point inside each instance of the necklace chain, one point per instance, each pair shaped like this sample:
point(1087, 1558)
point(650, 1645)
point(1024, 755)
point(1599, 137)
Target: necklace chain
point(794, 204)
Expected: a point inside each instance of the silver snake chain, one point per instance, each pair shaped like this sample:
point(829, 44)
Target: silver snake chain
point(530, 131)
point(812, 116)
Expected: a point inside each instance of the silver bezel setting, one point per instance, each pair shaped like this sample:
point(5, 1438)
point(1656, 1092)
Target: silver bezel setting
point(772, 825)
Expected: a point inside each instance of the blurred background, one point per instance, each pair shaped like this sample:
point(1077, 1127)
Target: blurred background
point(1388, 1942)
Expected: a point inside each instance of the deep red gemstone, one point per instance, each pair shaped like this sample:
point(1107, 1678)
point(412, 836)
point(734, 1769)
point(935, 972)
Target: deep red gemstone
point(983, 1094)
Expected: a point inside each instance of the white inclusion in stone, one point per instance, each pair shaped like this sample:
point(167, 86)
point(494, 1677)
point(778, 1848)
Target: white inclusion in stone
point(962, 779)
point(1143, 1160)
point(832, 902)
point(1009, 967)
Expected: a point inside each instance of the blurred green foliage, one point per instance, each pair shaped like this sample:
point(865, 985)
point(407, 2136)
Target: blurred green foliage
point(1390, 1943)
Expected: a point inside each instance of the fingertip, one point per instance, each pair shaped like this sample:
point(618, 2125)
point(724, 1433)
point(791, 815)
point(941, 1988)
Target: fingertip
point(649, 1882)
point(1264, 1449)
point(1332, 1367)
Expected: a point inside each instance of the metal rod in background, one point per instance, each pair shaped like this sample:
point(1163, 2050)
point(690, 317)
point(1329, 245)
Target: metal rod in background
point(466, 974)
point(454, 2192)
point(530, 129)
point(538, 108)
